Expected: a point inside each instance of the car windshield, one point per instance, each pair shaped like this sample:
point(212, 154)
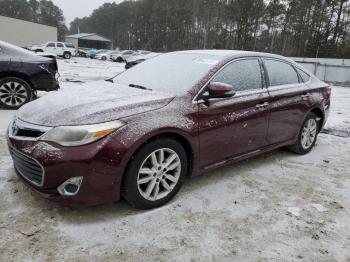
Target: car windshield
point(174, 73)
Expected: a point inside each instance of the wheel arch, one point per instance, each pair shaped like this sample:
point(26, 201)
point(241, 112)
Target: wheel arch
point(320, 114)
point(20, 75)
point(168, 134)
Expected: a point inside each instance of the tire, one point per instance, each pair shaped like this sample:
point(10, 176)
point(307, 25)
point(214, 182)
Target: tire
point(14, 92)
point(120, 60)
point(152, 188)
point(104, 58)
point(67, 55)
point(308, 133)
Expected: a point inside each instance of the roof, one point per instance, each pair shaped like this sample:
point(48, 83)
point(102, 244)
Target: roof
point(231, 53)
point(8, 17)
point(81, 35)
point(89, 36)
point(215, 52)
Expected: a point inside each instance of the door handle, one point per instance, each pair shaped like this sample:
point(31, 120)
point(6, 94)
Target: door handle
point(262, 106)
point(306, 96)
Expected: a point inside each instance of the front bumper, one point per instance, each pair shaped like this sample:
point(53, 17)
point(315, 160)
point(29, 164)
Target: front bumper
point(100, 165)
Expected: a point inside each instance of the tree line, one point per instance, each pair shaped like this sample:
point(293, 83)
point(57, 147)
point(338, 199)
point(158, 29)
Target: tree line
point(313, 28)
point(37, 11)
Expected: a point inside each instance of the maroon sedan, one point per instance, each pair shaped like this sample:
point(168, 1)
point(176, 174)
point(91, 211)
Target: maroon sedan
point(176, 115)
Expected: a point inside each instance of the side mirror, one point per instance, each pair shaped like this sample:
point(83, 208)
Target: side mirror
point(220, 90)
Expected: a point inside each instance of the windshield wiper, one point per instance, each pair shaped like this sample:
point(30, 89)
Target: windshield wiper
point(140, 87)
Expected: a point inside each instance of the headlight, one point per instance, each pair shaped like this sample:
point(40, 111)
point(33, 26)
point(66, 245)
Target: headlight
point(80, 135)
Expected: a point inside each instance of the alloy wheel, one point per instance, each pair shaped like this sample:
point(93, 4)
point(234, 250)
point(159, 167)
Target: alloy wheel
point(159, 174)
point(309, 133)
point(13, 94)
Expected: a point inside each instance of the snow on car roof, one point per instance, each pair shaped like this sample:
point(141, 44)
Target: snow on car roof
point(227, 53)
point(222, 53)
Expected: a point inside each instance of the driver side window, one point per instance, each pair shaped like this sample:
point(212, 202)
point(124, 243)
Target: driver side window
point(243, 75)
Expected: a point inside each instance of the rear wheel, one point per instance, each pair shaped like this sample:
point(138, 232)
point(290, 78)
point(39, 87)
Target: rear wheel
point(104, 58)
point(67, 55)
point(120, 60)
point(14, 92)
point(307, 135)
point(155, 174)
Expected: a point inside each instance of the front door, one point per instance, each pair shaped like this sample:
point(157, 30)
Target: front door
point(231, 127)
point(60, 49)
point(51, 48)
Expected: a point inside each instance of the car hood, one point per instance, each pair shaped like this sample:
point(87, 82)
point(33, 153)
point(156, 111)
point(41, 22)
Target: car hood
point(93, 103)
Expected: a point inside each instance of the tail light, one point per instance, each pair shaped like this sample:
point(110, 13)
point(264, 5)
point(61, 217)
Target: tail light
point(327, 91)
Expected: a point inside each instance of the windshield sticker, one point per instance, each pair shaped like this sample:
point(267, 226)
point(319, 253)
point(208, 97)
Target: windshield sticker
point(205, 61)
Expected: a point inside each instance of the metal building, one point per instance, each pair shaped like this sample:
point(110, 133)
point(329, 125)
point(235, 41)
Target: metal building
point(23, 33)
point(89, 40)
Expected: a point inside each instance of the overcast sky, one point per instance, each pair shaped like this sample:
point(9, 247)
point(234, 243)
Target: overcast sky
point(79, 8)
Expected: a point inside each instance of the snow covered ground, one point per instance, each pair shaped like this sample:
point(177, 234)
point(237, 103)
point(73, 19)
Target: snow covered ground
point(278, 206)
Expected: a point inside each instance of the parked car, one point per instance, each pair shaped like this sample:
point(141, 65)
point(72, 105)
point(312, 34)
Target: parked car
point(176, 115)
point(22, 73)
point(91, 53)
point(132, 61)
point(82, 52)
point(123, 56)
point(65, 50)
point(106, 55)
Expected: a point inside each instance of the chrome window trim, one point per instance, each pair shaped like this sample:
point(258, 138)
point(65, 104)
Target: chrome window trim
point(297, 67)
point(239, 93)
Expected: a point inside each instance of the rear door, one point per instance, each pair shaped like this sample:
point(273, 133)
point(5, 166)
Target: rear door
point(289, 101)
point(231, 127)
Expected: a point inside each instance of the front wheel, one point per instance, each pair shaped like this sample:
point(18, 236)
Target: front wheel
point(155, 174)
point(14, 92)
point(307, 136)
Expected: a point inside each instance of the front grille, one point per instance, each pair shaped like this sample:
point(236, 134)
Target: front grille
point(28, 168)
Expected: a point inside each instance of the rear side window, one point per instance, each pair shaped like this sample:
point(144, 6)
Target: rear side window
point(59, 45)
point(51, 45)
point(70, 46)
point(243, 75)
point(280, 73)
point(304, 76)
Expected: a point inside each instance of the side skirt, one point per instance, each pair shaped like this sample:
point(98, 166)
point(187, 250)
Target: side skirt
point(246, 156)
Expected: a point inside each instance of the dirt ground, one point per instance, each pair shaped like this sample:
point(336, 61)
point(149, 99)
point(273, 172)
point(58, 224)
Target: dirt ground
point(278, 206)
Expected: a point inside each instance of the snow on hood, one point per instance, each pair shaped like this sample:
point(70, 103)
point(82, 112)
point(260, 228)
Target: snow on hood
point(92, 103)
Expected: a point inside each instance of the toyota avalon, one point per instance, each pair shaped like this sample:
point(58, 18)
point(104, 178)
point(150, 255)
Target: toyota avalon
point(181, 114)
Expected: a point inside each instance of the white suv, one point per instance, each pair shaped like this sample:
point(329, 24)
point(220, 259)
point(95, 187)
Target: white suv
point(66, 50)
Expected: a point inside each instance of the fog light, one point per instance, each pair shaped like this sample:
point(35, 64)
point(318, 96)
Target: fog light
point(71, 186)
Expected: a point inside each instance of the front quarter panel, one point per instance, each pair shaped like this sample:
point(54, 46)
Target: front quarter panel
point(178, 118)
